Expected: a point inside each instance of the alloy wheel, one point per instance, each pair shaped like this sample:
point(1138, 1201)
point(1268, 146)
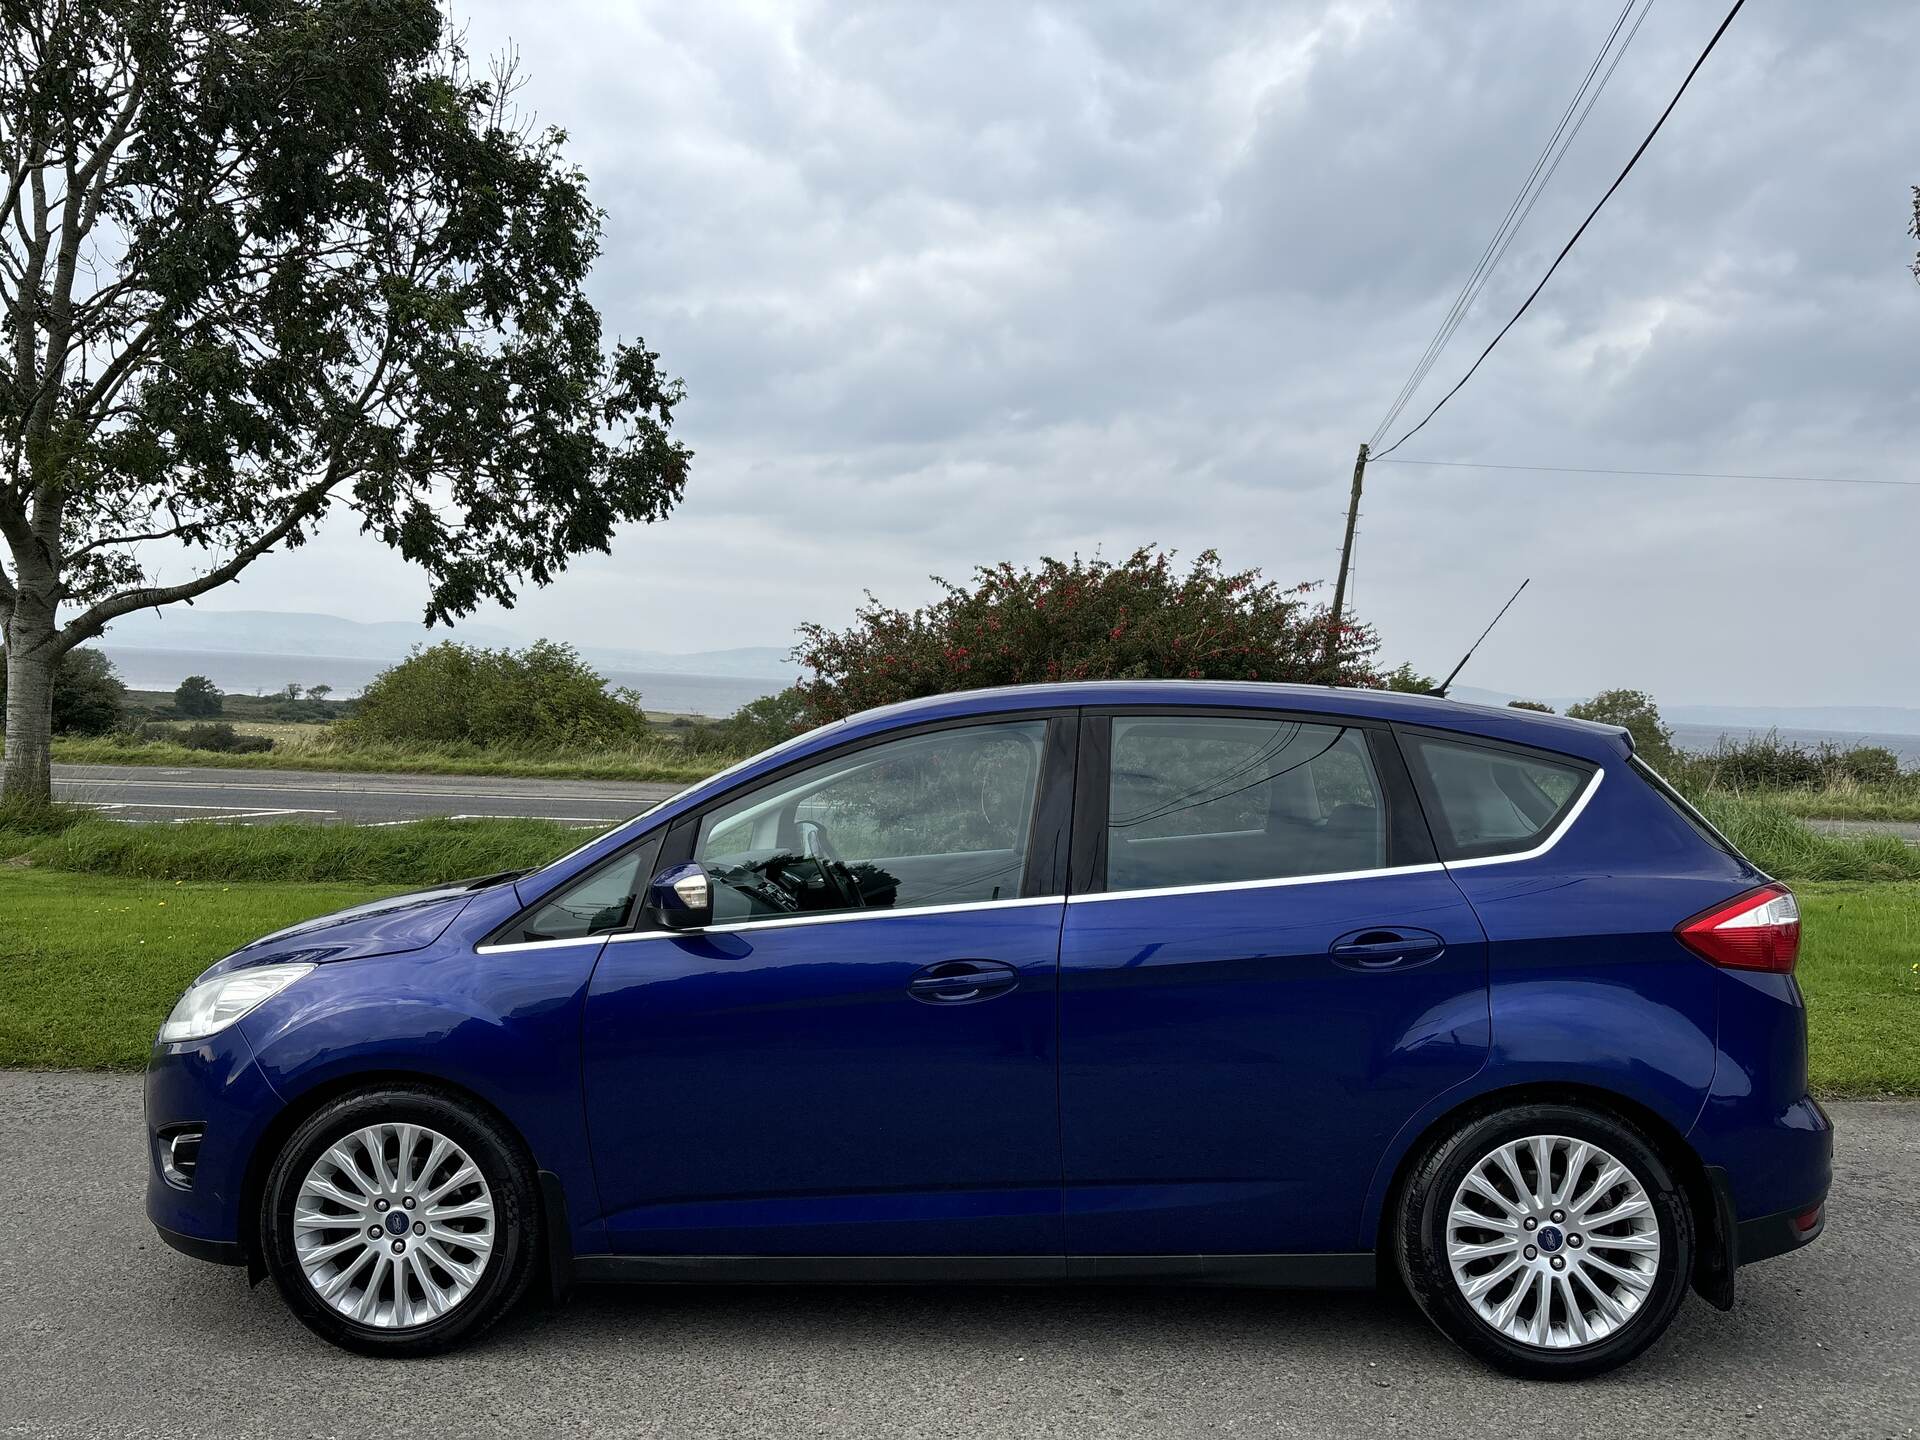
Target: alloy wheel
point(1553, 1242)
point(393, 1225)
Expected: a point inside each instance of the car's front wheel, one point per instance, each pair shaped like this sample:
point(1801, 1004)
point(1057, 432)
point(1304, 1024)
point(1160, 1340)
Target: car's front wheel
point(399, 1221)
point(1550, 1240)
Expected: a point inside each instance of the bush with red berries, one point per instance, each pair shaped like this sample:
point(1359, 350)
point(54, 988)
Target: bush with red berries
point(1138, 619)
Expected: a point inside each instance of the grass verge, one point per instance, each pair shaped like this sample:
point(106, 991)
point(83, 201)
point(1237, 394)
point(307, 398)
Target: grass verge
point(92, 963)
point(424, 852)
point(654, 759)
point(1786, 849)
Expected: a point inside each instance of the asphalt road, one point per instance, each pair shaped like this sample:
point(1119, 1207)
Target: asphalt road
point(105, 1332)
point(142, 792)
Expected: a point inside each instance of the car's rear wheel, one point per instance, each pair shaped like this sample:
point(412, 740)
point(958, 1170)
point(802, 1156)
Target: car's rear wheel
point(399, 1221)
point(1551, 1240)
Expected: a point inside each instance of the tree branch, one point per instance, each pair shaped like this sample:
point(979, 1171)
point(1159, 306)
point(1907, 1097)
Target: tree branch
point(91, 622)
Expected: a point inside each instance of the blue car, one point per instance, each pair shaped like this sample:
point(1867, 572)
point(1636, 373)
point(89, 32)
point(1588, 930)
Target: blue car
point(1220, 984)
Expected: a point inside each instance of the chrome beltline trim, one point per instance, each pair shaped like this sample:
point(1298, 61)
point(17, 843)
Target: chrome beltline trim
point(1545, 845)
point(1217, 886)
point(838, 918)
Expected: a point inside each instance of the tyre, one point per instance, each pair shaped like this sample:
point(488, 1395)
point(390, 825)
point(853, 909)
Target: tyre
point(400, 1221)
point(1549, 1240)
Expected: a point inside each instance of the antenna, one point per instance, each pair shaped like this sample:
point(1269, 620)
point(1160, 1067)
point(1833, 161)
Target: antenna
point(1441, 688)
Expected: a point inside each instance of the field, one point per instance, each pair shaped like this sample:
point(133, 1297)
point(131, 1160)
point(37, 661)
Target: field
point(94, 961)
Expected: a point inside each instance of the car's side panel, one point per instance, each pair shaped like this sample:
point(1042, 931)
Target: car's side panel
point(1588, 985)
point(504, 1025)
point(1226, 1086)
point(777, 1089)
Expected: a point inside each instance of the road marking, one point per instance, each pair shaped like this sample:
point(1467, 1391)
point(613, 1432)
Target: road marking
point(183, 805)
point(328, 788)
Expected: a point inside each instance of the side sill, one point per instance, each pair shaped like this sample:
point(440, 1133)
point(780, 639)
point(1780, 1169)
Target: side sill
point(214, 1252)
point(1357, 1270)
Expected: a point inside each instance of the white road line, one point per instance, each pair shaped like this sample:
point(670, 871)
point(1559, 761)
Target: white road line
point(183, 805)
point(323, 789)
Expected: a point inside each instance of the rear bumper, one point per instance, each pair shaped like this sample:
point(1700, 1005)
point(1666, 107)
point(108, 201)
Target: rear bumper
point(1766, 1236)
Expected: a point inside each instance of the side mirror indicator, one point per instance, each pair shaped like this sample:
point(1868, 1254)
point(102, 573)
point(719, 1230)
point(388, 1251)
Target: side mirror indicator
point(680, 897)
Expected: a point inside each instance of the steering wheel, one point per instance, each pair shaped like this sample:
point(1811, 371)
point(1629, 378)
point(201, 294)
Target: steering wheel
point(819, 849)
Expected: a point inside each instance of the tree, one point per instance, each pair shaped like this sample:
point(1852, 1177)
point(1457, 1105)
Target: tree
point(197, 697)
point(264, 262)
point(88, 697)
point(1080, 620)
point(290, 692)
point(1541, 706)
point(1404, 678)
point(1913, 229)
point(1635, 712)
point(319, 692)
point(460, 695)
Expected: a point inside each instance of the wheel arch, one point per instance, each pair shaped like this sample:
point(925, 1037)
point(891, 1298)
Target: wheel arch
point(308, 1101)
point(1713, 1236)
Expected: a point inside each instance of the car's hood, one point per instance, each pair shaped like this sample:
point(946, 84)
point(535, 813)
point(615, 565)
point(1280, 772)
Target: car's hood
point(380, 927)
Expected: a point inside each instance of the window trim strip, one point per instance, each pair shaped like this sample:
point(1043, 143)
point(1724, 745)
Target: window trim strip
point(1553, 839)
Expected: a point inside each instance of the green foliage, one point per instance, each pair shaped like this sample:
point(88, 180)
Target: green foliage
point(452, 694)
point(426, 852)
point(289, 258)
point(198, 698)
point(1080, 620)
point(1536, 705)
point(1788, 850)
point(220, 738)
point(753, 727)
point(1767, 762)
point(88, 698)
point(1404, 678)
point(1635, 712)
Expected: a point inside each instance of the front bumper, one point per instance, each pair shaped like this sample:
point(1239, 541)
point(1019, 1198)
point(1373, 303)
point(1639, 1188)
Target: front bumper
point(212, 1087)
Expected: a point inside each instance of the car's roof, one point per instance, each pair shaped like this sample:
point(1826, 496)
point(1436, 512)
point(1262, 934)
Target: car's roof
point(1496, 722)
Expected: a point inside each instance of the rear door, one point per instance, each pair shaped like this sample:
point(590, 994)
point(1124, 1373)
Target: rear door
point(858, 1057)
point(1264, 974)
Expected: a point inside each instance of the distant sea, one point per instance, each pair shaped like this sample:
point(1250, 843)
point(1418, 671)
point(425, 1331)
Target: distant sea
point(1706, 737)
point(242, 674)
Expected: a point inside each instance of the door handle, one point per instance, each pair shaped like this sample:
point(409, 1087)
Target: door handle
point(1386, 948)
point(958, 982)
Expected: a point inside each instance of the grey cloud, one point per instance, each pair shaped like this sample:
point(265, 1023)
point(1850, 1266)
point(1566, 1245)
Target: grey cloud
point(951, 284)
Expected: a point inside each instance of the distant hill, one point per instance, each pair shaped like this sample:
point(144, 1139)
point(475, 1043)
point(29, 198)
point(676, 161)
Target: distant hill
point(298, 634)
point(1849, 719)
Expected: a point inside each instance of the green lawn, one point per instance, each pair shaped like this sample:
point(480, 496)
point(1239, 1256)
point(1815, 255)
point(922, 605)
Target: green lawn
point(1860, 969)
point(89, 965)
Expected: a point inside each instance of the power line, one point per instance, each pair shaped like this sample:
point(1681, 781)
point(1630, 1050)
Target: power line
point(1656, 474)
point(1526, 304)
point(1509, 226)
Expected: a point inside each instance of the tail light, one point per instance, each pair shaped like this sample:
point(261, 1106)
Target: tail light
point(1759, 930)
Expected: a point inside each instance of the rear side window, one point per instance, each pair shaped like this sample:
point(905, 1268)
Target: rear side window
point(1702, 826)
point(1210, 800)
point(1483, 801)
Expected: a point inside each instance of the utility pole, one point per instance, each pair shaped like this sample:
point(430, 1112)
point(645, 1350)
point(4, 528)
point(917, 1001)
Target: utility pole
point(1346, 558)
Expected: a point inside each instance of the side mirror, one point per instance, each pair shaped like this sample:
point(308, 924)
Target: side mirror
point(680, 897)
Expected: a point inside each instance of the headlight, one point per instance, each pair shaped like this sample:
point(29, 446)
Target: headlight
point(215, 1004)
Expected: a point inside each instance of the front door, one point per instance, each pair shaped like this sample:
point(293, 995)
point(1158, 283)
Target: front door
point(858, 1057)
point(1264, 974)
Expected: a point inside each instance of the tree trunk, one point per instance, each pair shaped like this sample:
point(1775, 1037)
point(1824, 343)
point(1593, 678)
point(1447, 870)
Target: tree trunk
point(31, 658)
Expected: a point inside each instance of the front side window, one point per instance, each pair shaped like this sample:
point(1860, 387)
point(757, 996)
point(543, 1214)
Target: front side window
point(1483, 802)
point(596, 903)
point(940, 818)
point(1207, 800)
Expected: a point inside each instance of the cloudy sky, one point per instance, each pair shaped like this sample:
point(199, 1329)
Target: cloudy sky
point(961, 282)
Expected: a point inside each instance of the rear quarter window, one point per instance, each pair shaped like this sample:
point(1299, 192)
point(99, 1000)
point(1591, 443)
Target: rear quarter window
point(1484, 800)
